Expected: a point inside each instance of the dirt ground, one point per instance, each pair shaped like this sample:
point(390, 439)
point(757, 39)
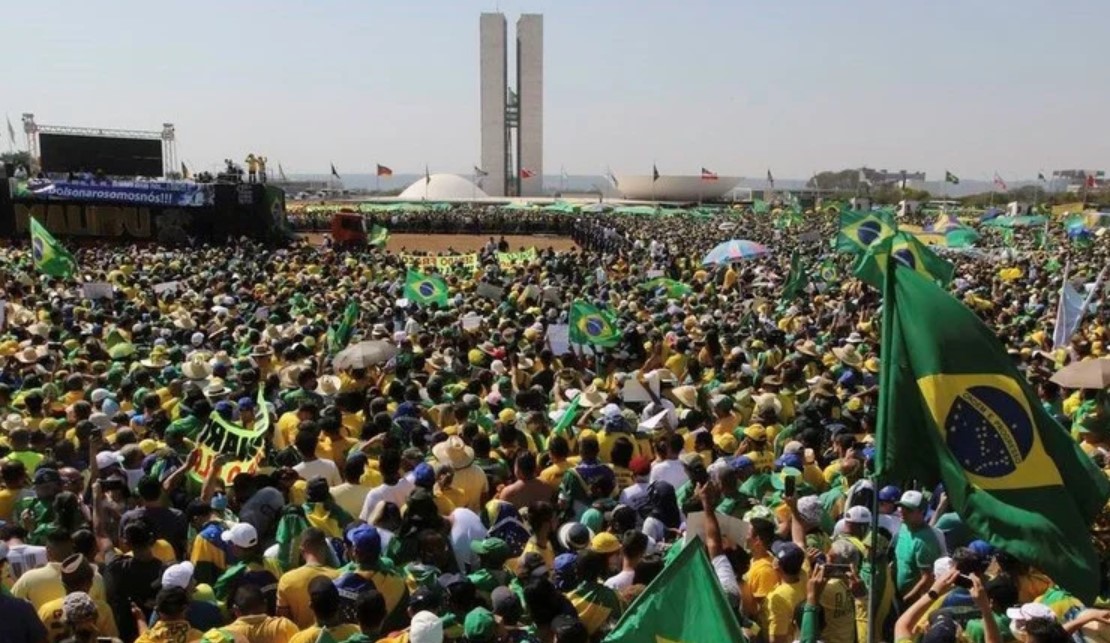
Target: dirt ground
point(462, 242)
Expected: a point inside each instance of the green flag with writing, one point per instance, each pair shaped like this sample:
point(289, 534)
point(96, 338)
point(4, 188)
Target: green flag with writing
point(954, 408)
point(684, 604)
point(51, 257)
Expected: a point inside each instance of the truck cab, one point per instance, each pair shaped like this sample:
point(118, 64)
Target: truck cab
point(348, 229)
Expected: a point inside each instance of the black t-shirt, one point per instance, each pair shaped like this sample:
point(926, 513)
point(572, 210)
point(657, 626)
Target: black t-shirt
point(18, 621)
point(129, 580)
point(169, 524)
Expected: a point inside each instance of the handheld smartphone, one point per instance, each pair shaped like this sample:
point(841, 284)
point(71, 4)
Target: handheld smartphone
point(963, 581)
point(837, 570)
point(791, 485)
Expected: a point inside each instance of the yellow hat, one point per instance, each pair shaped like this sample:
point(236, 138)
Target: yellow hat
point(148, 446)
point(726, 442)
point(507, 416)
point(756, 432)
point(587, 433)
point(605, 543)
point(853, 404)
point(871, 364)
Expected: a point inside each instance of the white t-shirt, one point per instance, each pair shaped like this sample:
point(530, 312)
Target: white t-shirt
point(318, 468)
point(670, 471)
point(634, 491)
point(397, 494)
point(726, 575)
point(621, 580)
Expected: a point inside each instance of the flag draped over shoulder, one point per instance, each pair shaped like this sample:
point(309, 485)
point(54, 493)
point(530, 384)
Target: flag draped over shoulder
point(684, 603)
point(860, 230)
point(796, 281)
point(954, 408)
point(51, 257)
point(425, 289)
point(906, 250)
point(591, 325)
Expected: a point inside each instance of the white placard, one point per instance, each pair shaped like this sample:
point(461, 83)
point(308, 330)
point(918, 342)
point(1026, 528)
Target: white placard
point(167, 286)
point(652, 274)
point(733, 529)
point(490, 291)
point(558, 336)
point(262, 313)
point(634, 391)
point(471, 322)
point(552, 295)
point(96, 290)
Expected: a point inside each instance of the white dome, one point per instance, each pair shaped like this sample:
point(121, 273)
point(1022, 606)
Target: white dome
point(443, 187)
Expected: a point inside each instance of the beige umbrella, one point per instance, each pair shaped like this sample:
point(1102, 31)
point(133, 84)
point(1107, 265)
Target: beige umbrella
point(1092, 373)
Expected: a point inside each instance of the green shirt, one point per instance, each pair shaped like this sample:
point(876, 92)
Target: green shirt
point(975, 633)
point(914, 550)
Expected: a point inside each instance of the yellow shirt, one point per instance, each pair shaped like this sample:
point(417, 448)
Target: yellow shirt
point(455, 495)
point(51, 616)
point(350, 497)
point(339, 633)
point(42, 585)
point(553, 475)
point(292, 592)
point(170, 632)
point(259, 629)
point(472, 482)
point(547, 553)
point(760, 581)
point(779, 608)
point(840, 613)
point(8, 498)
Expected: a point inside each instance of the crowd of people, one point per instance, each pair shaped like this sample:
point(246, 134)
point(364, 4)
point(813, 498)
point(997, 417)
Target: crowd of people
point(483, 484)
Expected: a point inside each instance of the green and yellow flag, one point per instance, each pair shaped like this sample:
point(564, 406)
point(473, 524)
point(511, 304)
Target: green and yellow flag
point(827, 271)
point(685, 603)
point(51, 257)
point(907, 251)
point(591, 325)
point(860, 230)
point(954, 408)
point(379, 235)
point(424, 289)
point(673, 288)
point(796, 281)
point(338, 338)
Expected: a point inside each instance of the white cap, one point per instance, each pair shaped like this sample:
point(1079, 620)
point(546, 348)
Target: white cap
point(106, 459)
point(241, 535)
point(197, 339)
point(497, 366)
point(610, 410)
point(942, 566)
point(858, 515)
point(1030, 611)
point(426, 628)
point(179, 575)
point(912, 500)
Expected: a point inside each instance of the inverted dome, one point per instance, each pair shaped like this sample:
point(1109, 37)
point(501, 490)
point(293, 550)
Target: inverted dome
point(443, 187)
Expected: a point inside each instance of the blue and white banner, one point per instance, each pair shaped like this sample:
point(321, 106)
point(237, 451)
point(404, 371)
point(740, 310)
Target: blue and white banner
point(153, 193)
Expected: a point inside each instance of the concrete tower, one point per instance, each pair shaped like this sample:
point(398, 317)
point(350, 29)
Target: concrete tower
point(494, 84)
point(510, 117)
point(529, 88)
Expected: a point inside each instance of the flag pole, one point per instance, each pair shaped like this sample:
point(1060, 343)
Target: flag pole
point(653, 184)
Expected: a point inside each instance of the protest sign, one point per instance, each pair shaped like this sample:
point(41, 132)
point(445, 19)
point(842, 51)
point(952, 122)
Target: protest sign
point(96, 290)
point(471, 322)
point(558, 337)
point(167, 286)
point(490, 291)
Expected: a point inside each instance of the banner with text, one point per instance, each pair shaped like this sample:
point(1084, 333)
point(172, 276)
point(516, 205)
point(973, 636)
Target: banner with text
point(165, 193)
point(442, 262)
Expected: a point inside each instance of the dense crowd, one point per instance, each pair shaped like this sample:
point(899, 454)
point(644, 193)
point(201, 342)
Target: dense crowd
point(483, 484)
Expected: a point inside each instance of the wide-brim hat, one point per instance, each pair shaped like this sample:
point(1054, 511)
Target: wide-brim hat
point(806, 347)
point(196, 369)
point(849, 355)
point(686, 396)
point(29, 355)
point(767, 402)
point(454, 452)
point(288, 375)
point(591, 398)
point(328, 385)
point(854, 338)
point(216, 388)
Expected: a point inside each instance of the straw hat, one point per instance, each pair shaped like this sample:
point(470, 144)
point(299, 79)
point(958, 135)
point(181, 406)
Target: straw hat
point(29, 355)
point(686, 396)
point(216, 388)
point(157, 359)
point(849, 355)
point(806, 347)
point(196, 369)
point(328, 385)
point(767, 402)
point(454, 452)
point(12, 422)
point(591, 398)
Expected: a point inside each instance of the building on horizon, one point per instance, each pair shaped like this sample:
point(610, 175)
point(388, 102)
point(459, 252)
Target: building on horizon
point(512, 121)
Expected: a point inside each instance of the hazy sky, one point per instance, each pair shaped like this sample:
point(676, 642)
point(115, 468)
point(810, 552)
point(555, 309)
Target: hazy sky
point(736, 86)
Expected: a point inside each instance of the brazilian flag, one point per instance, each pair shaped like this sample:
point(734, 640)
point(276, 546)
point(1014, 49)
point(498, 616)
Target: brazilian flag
point(673, 288)
point(379, 235)
point(51, 257)
point(665, 613)
point(338, 338)
point(860, 230)
point(906, 250)
point(796, 281)
point(425, 290)
point(591, 325)
point(954, 408)
point(827, 271)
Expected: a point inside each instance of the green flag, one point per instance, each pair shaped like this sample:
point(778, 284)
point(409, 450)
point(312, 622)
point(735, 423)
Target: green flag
point(424, 289)
point(591, 325)
point(759, 206)
point(566, 420)
point(673, 288)
point(828, 272)
point(379, 235)
point(338, 338)
point(1008, 236)
point(50, 256)
point(905, 249)
point(796, 281)
point(685, 603)
point(961, 238)
point(953, 407)
point(951, 178)
point(860, 230)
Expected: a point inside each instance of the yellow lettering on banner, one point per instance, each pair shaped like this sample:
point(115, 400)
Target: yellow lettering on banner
point(230, 469)
point(87, 220)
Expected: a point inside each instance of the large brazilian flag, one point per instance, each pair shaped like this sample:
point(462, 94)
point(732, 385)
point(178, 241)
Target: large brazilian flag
point(425, 289)
point(591, 325)
point(50, 256)
point(860, 230)
point(905, 249)
point(954, 408)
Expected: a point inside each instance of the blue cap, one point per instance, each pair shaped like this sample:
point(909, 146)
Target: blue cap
point(869, 453)
point(890, 493)
point(406, 409)
point(984, 549)
point(790, 461)
point(366, 539)
point(565, 563)
point(225, 409)
point(424, 475)
point(741, 462)
point(218, 502)
point(246, 403)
